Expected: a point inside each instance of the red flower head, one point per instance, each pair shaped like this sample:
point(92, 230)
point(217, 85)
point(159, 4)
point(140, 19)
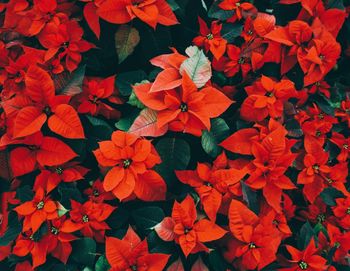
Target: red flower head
point(29, 243)
point(211, 183)
point(306, 259)
point(89, 218)
point(149, 11)
point(50, 178)
point(239, 7)
point(254, 244)
point(342, 212)
point(37, 211)
point(185, 108)
point(39, 149)
point(131, 160)
point(43, 105)
point(312, 176)
point(211, 39)
point(64, 39)
point(266, 98)
point(130, 253)
point(59, 242)
point(189, 232)
point(97, 193)
point(96, 92)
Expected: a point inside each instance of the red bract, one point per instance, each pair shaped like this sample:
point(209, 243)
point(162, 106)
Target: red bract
point(39, 150)
point(43, 105)
point(305, 260)
point(254, 244)
point(185, 108)
point(131, 160)
point(37, 211)
point(59, 242)
point(152, 12)
point(89, 218)
point(65, 40)
point(211, 38)
point(189, 233)
point(28, 243)
point(266, 98)
point(97, 93)
point(130, 253)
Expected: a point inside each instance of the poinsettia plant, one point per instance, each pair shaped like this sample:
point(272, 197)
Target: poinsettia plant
point(174, 135)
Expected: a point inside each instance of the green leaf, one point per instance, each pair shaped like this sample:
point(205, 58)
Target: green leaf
point(216, 12)
point(175, 154)
point(306, 234)
point(125, 123)
point(84, 251)
point(134, 101)
point(102, 264)
point(146, 218)
point(250, 197)
point(217, 262)
point(231, 31)
point(218, 132)
point(125, 80)
point(324, 104)
point(101, 129)
point(14, 228)
point(154, 43)
point(329, 195)
point(24, 193)
point(126, 39)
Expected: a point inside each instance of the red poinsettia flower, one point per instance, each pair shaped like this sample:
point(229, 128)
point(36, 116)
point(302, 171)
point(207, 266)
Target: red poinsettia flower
point(254, 245)
point(89, 218)
point(239, 7)
point(130, 253)
point(292, 37)
point(342, 211)
point(39, 149)
point(59, 242)
point(44, 12)
point(344, 111)
point(29, 243)
point(266, 98)
point(96, 92)
point(44, 105)
point(185, 108)
point(189, 232)
point(211, 183)
point(151, 12)
point(319, 58)
point(211, 38)
point(306, 259)
point(97, 193)
point(170, 77)
point(131, 160)
point(233, 63)
point(311, 176)
point(37, 211)
point(50, 178)
point(320, 87)
point(338, 241)
point(343, 144)
point(269, 166)
point(64, 39)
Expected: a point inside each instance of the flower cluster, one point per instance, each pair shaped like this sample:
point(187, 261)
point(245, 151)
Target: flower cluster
point(174, 135)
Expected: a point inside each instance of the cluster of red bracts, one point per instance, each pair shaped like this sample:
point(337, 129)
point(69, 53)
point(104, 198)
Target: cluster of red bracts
point(39, 120)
